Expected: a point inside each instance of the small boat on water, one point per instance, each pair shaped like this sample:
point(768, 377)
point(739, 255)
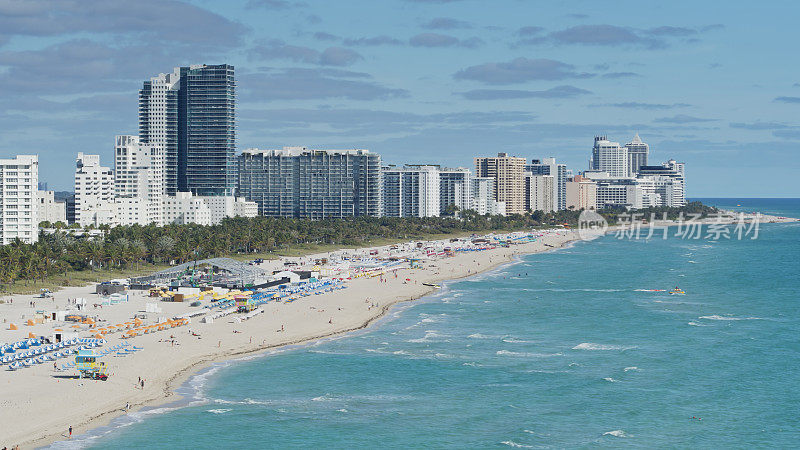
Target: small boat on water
point(677, 291)
point(431, 285)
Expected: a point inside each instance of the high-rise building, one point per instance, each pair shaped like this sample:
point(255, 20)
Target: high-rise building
point(48, 209)
point(191, 114)
point(483, 198)
point(609, 157)
point(638, 152)
point(94, 192)
point(139, 173)
point(411, 191)
point(158, 121)
point(207, 130)
point(454, 189)
point(549, 166)
point(313, 184)
point(19, 180)
point(539, 192)
point(509, 181)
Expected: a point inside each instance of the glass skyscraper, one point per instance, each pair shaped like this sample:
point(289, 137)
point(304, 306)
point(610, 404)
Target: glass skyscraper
point(191, 113)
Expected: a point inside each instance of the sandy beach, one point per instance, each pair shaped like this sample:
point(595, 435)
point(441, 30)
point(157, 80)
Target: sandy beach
point(39, 403)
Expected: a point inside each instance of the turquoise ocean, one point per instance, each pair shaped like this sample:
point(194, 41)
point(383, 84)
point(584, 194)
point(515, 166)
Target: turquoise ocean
point(560, 349)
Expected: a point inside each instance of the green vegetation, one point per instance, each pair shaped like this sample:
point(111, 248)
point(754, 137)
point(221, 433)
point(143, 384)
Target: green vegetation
point(61, 259)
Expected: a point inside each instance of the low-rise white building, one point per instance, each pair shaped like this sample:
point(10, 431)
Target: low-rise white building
point(183, 208)
point(19, 179)
point(48, 209)
point(222, 207)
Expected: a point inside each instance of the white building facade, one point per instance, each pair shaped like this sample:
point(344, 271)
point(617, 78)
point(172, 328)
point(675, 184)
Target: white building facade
point(482, 197)
point(50, 210)
point(410, 191)
point(540, 192)
point(19, 179)
point(94, 192)
point(139, 181)
point(610, 157)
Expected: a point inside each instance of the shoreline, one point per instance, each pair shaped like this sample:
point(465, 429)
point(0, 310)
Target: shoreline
point(168, 390)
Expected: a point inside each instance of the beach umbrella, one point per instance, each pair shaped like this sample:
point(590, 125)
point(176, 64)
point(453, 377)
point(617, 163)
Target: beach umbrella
point(76, 326)
point(58, 329)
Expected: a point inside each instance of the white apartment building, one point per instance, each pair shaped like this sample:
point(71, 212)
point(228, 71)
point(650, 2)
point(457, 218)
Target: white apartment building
point(410, 191)
point(94, 192)
point(158, 121)
point(48, 209)
point(139, 181)
point(183, 208)
point(539, 191)
point(482, 197)
point(222, 207)
point(454, 188)
point(610, 157)
point(19, 179)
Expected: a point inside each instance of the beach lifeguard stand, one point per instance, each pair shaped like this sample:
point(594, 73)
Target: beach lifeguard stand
point(244, 303)
point(88, 364)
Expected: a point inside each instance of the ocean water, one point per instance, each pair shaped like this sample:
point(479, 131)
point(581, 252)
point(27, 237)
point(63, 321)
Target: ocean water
point(560, 349)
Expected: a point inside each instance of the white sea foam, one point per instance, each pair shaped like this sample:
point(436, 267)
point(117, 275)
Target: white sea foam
point(471, 364)
point(516, 444)
point(593, 346)
point(611, 380)
point(631, 368)
point(341, 410)
point(218, 411)
point(516, 341)
point(430, 335)
point(479, 336)
point(717, 317)
point(616, 433)
point(528, 355)
point(695, 324)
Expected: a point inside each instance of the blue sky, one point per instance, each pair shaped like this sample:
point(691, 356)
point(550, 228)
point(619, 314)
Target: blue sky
point(425, 81)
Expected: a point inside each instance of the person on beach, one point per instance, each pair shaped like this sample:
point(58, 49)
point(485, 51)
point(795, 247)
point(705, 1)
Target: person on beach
point(70, 431)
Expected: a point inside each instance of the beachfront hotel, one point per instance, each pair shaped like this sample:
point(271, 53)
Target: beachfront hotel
point(509, 179)
point(539, 192)
point(610, 157)
point(94, 191)
point(191, 114)
point(19, 179)
point(411, 191)
point(549, 166)
point(311, 184)
point(638, 152)
point(138, 180)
